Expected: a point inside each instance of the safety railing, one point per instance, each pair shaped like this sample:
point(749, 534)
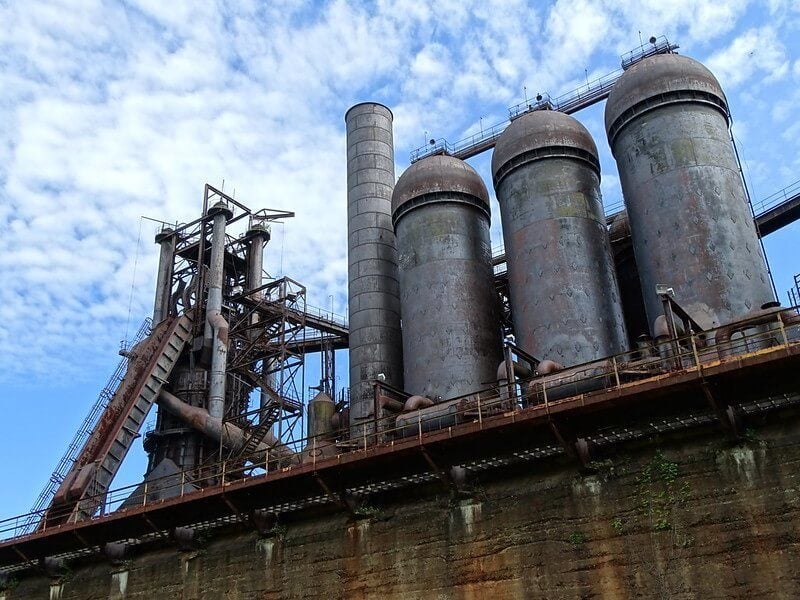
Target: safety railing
point(694, 351)
point(788, 193)
point(327, 315)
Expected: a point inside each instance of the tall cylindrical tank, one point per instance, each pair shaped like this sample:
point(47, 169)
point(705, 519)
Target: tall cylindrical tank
point(667, 124)
point(565, 301)
point(451, 322)
point(630, 286)
point(375, 345)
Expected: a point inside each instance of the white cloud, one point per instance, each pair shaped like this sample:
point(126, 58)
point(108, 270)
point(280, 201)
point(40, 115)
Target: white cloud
point(120, 110)
point(756, 52)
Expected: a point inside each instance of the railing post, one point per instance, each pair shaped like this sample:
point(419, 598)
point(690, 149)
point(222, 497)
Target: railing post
point(224, 462)
point(419, 425)
point(694, 350)
point(480, 414)
point(144, 496)
point(616, 371)
point(364, 432)
point(183, 481)
point(783, 330)
point(314, 453)
point(544, 392)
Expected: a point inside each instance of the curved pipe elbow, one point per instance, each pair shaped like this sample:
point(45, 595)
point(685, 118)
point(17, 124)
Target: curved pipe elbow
point(519, 370)
point(220, 327)
point(417, 402)
point(219, 363)
point(548, 366)
point(722, 338)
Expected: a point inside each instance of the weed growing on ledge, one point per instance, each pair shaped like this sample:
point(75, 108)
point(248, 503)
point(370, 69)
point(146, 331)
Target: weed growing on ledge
point(618, 525)
point(658, 492)
point(8, 585)
point(577, 538)
point(366, 512)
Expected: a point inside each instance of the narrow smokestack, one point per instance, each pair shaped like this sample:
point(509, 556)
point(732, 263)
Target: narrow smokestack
point(166, 239)
point(374, 297)
point(258, 234)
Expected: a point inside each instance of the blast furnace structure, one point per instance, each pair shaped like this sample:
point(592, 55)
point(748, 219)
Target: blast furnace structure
point(460, 376)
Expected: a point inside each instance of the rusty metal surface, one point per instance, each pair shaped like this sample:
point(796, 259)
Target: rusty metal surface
point(565, 302)
point(670, 76)
point(166, 240)
point(630, 286)
point(506, 432)
point(691, 223)
point(437, 175)
point(373, 294)
point(451, 322)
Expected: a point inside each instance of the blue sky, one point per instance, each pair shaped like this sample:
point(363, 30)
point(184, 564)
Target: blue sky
point(113, 110)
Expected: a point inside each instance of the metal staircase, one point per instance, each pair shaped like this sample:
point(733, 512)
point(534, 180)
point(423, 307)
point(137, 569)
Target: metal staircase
point(84, 431)
point(150, 364)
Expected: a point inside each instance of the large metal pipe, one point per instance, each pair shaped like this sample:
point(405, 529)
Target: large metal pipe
point(258, 235)
point(450, 311)
point(667, 122)
point(565, 300)
point(375, 346)
point(228, 434)
point(772, 316)
point(166, 239)
point(216, 331)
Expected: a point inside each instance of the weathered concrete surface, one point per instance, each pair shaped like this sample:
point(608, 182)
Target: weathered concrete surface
point(695, 517)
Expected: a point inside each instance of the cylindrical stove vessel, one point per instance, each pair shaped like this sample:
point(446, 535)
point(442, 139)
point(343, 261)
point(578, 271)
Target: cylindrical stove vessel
point(565, 301)
point(692, 227)
point(451, 320)
point(375, 347)
point(630, 286)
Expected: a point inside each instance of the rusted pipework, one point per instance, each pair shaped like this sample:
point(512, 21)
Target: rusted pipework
point(548, 366)
point(508, 392)
point(229, 434)
point(519, 370)
point(430, 418)
point(215, 337)
point(667, 347)
point(570, 382)
point(219, 363)
point(755, 318)
point(417, 402)
point(661, 327)
point(391, 405)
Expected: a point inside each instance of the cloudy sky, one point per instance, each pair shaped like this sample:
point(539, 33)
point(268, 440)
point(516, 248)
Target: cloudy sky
point(114, 110)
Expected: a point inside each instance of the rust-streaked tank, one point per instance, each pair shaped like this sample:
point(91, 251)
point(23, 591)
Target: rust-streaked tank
point(449, 310)
point(565, 300)
point(667, 122)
